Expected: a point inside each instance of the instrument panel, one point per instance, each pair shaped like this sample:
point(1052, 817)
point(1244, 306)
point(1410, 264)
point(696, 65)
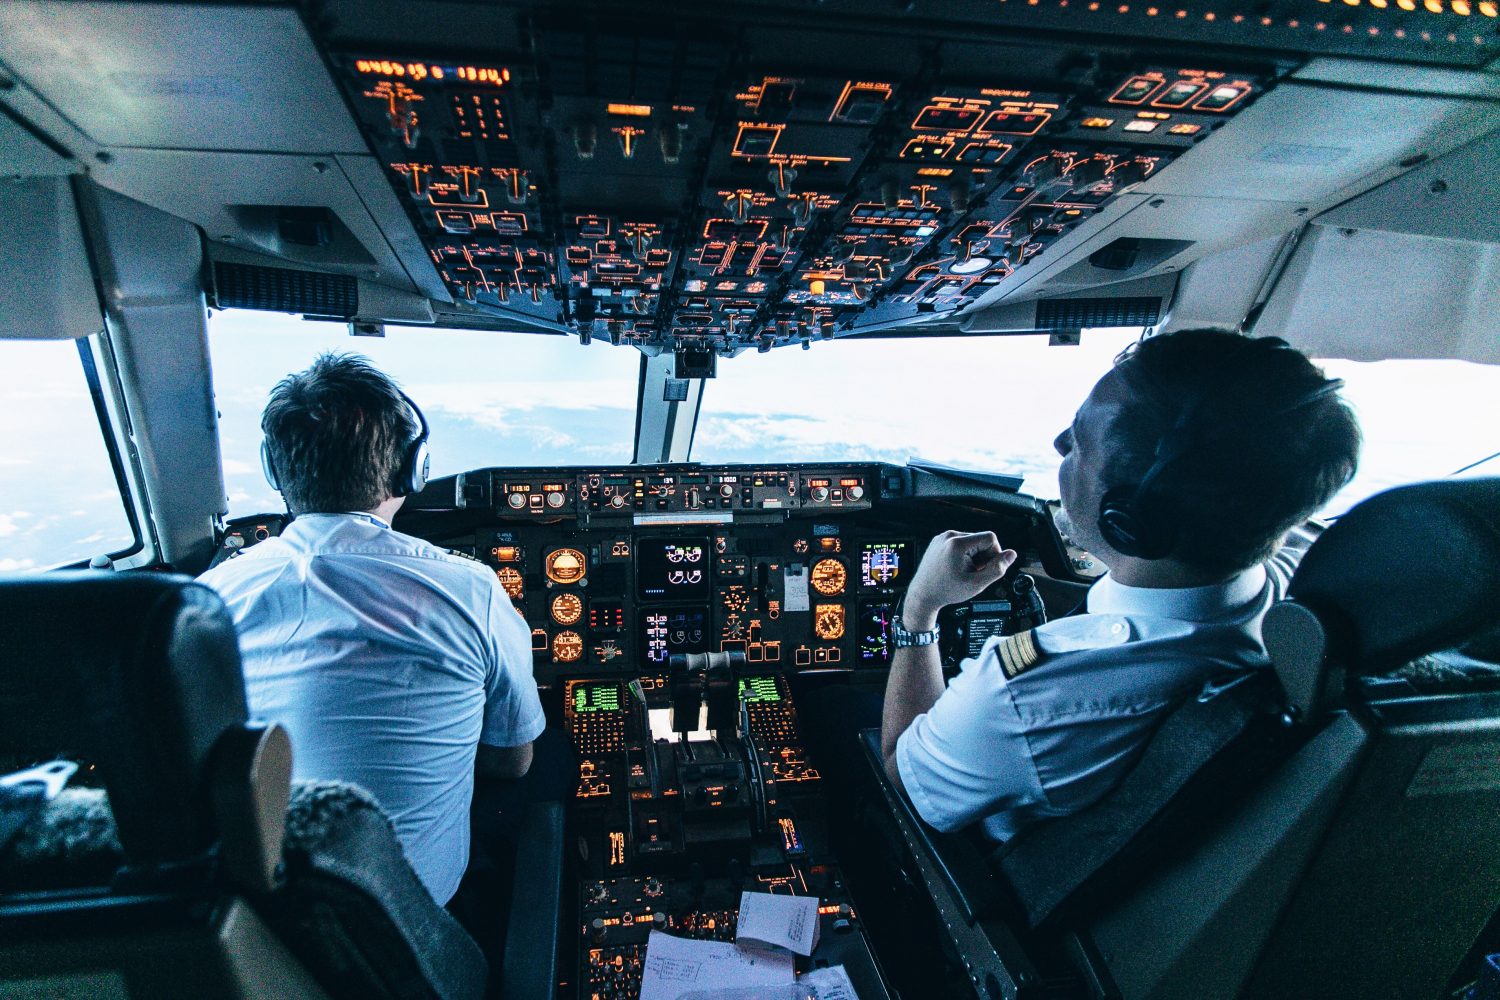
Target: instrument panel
point(797, 567)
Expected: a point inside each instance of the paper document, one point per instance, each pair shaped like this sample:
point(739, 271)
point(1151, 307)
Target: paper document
point(676, 966)
point(789, 922)
point(828, 984)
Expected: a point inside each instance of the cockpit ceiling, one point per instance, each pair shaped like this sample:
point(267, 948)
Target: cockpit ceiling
point(761, 176)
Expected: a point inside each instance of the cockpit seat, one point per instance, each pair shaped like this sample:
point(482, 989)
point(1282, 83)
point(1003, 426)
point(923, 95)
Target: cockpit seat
point(192, 878)
point(1315, 836)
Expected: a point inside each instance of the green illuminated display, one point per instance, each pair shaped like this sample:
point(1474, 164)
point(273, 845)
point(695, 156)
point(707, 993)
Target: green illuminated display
point(596, 698)
point(759, 689)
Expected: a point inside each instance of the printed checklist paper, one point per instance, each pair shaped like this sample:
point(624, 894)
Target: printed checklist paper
point(789, 922)
point(675, 967)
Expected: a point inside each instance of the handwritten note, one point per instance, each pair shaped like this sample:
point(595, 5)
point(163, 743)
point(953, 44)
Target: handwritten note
point(677, 966)
point(789, 922)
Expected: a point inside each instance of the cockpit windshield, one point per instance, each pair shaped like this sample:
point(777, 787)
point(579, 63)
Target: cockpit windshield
point(491, 399)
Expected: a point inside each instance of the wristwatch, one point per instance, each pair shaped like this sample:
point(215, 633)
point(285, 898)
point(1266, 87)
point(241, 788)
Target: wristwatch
point(904, 638)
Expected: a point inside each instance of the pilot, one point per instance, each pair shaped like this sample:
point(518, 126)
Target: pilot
point(1187, 472)
point(394, 664)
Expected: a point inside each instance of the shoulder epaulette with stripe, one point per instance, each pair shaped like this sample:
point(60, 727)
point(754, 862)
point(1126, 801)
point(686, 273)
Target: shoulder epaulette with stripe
point(464, 555)
point(1018, 653)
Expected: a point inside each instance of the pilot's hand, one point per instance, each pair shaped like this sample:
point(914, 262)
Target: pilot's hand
point(955, 568)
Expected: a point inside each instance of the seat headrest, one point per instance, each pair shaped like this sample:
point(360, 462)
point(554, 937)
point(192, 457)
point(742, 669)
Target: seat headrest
point(1408, 572)
point(137, 673)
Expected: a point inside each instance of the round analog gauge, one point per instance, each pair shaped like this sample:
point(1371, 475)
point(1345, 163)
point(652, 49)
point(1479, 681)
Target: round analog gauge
point(828, 577)
point(828, 621)
point(733, 627)
point(566, 566)
point(735, 599)
point(567, 609)
point(510, 579)
point(567, 647)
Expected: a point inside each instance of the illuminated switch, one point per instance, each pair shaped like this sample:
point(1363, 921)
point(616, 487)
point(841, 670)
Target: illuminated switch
point(1222, 97)
point(1142, 126)
point(1180, 94)
point(1135, 90)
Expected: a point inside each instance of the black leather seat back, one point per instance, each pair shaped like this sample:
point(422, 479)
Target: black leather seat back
point(1364, 865)
point(1409, 571)
point(141, 671)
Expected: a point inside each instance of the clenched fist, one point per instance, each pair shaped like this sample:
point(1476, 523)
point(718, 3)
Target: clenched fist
point(955, 567)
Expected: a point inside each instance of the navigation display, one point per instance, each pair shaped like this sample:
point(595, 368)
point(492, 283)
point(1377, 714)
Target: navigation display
point(883, 564)
point(674, 630)
point(672, 568)
point(875, 646)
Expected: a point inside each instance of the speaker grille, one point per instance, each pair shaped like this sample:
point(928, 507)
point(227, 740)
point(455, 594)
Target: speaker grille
point(1076, 314)
point(282, 289)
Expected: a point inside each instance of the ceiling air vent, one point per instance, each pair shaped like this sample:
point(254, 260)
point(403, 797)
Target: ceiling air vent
point(1078, 314)
point(282, 289)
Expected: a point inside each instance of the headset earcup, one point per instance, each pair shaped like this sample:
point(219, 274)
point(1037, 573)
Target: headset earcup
point(1126, 531)
point(420, 462)
point(268, 465)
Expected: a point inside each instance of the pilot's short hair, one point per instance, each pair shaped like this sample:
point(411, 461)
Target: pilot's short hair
point(1262, 443)
point(337, 434)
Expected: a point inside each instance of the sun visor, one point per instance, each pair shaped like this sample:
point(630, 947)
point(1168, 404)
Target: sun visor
point(1370, 296)
point(46, 287)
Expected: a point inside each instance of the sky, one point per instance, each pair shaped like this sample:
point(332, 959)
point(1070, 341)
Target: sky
point(508, 399)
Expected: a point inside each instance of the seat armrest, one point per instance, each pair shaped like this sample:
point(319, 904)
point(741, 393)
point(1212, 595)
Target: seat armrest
point(533, 939)
point(954, 856)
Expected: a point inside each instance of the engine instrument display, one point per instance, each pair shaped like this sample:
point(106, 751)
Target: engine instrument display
point(566, 566)
point(673, 569)
point(567, 609)
point(673, 630)
point(829, 577)
point(881, 564)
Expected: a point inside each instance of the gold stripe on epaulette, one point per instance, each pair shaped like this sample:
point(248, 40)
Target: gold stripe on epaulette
point(1018, 653)
point(464, 555)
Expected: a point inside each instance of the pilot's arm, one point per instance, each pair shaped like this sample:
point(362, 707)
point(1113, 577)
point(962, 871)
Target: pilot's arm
point(955, 568)
point(513, 715)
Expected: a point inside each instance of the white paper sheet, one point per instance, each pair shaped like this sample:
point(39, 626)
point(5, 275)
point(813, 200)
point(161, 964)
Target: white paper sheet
point(789, 922)
point(831, 983)
point(676, 966)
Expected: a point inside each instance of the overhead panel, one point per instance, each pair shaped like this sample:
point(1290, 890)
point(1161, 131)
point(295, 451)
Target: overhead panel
point(694, 191)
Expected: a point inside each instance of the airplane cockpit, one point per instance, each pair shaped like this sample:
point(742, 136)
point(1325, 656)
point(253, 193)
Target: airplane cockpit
point(700, 189)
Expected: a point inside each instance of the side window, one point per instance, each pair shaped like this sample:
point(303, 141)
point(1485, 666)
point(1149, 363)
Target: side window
point(60, 499)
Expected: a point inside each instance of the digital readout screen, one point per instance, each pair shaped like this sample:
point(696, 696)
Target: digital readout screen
point(761, 688)
point(875, 646)
point(596, 697)
point(881, 564)
point(673, 630)
point(672, 569)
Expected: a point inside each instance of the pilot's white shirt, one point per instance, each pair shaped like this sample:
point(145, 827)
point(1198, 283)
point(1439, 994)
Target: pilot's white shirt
point(1056, 736)
point(388, 660)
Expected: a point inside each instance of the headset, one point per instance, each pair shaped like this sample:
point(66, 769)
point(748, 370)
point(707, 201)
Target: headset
point(411, 474)
point(1126, 520)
